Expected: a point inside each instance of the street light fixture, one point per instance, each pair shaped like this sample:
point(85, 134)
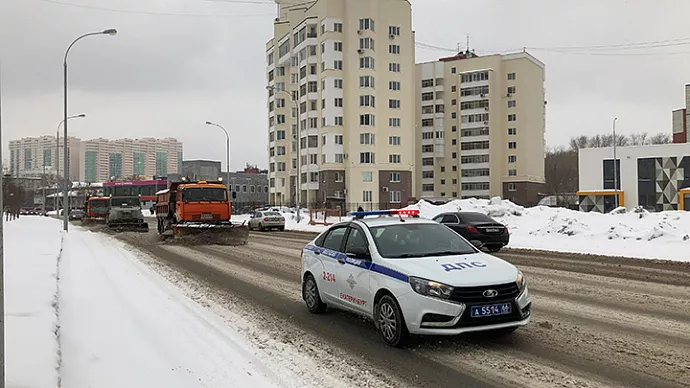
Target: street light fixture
point(65, 190)
point(297, 136)
point(227, 150)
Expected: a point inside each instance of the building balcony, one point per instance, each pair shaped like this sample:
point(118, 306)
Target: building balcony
point(474, 179)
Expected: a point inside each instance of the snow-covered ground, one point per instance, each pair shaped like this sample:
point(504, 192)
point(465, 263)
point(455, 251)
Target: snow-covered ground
point(663, 235)
point(110, 321)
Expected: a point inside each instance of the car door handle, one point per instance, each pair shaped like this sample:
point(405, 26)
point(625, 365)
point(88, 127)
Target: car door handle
point(341, 261)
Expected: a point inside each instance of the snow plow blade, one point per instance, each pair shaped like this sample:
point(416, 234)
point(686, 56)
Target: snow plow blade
point(217, 234)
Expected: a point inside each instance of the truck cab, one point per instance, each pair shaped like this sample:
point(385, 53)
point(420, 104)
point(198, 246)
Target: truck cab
point(202, 202)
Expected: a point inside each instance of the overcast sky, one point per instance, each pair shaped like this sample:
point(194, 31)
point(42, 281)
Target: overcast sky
point(166, 75)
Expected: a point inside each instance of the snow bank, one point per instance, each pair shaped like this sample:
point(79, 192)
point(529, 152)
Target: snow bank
point(30, 287)
point(630, 233)
point(120, 323)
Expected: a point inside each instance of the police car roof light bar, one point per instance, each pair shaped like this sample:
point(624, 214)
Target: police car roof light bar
point(392, 212)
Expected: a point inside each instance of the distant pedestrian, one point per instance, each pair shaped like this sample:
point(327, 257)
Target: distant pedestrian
point(360, 209)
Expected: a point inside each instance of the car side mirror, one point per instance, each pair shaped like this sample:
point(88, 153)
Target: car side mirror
point(359, 253)
point(477, 244)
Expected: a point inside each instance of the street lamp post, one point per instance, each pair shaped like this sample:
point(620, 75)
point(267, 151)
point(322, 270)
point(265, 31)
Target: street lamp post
point(227, 151)
point(57, 156)
point(297, 136)
point(615, 170)
point(65, 189)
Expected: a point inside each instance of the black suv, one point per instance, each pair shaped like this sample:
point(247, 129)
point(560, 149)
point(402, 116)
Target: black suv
point(477, 226)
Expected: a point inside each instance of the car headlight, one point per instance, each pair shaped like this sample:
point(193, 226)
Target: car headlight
point(430, 288)
point(521, 281)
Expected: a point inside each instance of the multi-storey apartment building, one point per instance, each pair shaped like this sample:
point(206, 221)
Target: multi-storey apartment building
point(104, 159)
point(680, 120)
point(480, 127)
point(29, 155)
point(349, 65)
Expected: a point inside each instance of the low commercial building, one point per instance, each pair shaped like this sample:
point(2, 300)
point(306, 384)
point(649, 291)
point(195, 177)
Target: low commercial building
point(206, 170)
point(651, 176)
point(251, 189)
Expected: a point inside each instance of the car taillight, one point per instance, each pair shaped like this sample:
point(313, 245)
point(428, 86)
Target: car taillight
point(472, 229)
point(266, 219)
point(283, 219)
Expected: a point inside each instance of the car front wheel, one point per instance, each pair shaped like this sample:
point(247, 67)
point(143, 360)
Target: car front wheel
point(390, 322)
point(310, 293)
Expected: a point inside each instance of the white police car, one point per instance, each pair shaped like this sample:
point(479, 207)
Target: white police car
point(412, 275)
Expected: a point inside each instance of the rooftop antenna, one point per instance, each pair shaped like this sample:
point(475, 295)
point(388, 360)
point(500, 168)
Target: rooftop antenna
point(468, 43)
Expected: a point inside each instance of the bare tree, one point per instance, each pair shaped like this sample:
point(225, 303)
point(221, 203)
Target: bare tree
point(561, 171)
point(578, 142)
point(622, 140)
point(639, 139)
point(595, 141)
point(607, 140)
point(660, 138)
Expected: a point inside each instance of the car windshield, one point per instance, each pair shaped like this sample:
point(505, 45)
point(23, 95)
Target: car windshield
point(272, 214)
point(125, 202)
point(407, 240)
point(99, 204)
point(476, 218)
point(204, 195)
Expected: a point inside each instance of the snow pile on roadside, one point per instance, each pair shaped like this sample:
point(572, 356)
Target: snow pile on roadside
point(636, 233)
point(30, 290)
point(116, 322)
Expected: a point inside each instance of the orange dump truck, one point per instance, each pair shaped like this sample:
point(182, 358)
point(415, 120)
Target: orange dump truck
point(199, 209)
point(96, 210)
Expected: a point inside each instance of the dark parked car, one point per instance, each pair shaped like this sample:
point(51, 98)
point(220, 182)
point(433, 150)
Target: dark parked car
point(477, 226)
point(76, 214)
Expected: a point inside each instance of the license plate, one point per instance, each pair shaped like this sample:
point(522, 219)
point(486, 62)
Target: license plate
point(493, 230)
point(491, 310)
point(207, 216)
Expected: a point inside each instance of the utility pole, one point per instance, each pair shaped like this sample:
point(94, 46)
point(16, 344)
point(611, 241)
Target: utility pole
point(615, 171)
point(2, 254)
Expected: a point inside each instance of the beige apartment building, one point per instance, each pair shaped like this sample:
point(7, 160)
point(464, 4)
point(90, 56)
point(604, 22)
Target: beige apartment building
point(29, 155)
point(350, 66)
point(480, 127)
point(104, 159)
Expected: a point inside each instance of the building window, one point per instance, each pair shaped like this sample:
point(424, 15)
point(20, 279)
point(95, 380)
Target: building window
point(512, 172)
point(366, 138)
point(454, 115)
point(475, 186)
point(366, 63)
point(427, 148)
point(512, 117)
point(512, 131)
point(394, 122)
point(395, 196)
point(453, 128)
point(427, 174)
point(367, 158)
point(427, 122)
point(474, 172)
point(366, 24)
point(280, 150)
point(339, 120)
point(337, 65)
point(443, 181)
point(339, 158)
point(394, 67)
point(428, 187)
point(244, 188)
point(394, 30)
point(394, 140)
point(338, 102)
point(511, 90)
point(428, 96)
point(512, 187)
point(511, 76)
point(455, 155)
point(367, 119)
point(474, 159)
point(394, 85)
point(394, 49)
point(366, 81)
point(512, 158)
point(394, 104)
point(453, 89)
point(366, 43)
point(512, 145)
point(511, 104)
point(338, 46)
point(609, 177)
point(367, 101)
point(338, 83)
point(455, 181)
point(427, 83)
point(367, 176)
point(443, 169)
point(367, 196)
point(427, 135)
point(427, 161)
point(394, 158)
point(454, 142)
point(338, 139)
point(453, 70)
point(339, 176)
point(338, 27)
point(474, 145)
point(394, 177)
point(475, 77)
point(478, 104)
